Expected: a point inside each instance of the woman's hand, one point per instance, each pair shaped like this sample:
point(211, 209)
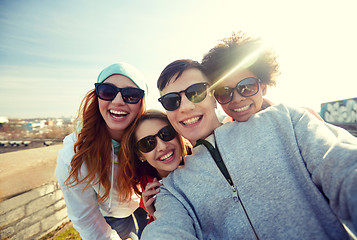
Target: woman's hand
point(149, 195)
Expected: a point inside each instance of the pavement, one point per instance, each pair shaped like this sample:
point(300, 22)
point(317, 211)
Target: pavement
point(24, 170)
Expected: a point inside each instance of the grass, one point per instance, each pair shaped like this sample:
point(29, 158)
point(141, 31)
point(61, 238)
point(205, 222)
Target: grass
point(63, 232)
point(69, 234)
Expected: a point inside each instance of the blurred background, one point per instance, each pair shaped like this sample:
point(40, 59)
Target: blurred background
point(51, 52)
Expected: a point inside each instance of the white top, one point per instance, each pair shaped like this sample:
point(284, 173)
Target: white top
point(86, 214)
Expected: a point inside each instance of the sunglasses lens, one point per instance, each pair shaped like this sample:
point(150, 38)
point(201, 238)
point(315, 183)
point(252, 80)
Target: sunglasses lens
point(167, 133)
point(106, 91)
point(223, 95)
point(197, 92)
point(248, 87)
point(170, 101)
point(146, 144)
point(132, 95)
point(149, 143)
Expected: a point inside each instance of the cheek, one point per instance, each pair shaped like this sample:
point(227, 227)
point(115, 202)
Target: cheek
point(225, 107)
point(259, 97)
point(171, 116)
point(134, 108)
point(210, 103)
point(177, 144)
point(102, 106)
point(150, 157)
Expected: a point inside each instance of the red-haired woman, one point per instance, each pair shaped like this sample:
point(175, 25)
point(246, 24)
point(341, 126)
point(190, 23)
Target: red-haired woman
point(155, 149)
point(95, 182)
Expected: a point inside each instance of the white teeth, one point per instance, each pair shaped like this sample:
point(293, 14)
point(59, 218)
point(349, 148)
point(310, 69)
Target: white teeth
point(241, 109)
point(118, 112)
point(191, 121)
point(166, 156)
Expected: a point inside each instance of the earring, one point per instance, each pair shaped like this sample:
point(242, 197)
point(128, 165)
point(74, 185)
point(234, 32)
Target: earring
point(142, 159)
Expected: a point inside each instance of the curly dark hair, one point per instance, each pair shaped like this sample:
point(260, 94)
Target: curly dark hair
point(233, 50)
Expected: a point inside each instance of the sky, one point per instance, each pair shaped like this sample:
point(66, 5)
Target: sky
point(51, 52)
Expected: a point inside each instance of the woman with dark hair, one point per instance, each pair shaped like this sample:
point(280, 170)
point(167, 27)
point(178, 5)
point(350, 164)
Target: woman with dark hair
point(100, 200)
point(155, 149)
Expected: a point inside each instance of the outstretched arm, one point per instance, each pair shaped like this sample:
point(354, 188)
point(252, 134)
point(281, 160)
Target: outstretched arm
point(330, 154)
point(174, 220)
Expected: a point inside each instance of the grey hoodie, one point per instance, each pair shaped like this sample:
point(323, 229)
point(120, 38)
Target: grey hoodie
point(295, 178)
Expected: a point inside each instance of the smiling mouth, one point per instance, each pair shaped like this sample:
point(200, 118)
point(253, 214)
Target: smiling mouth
point(241, 109)
point(118, 114)
point(191, 120)
point(166, 156)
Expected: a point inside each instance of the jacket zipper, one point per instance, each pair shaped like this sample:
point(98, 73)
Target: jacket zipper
point(216, 155)
point(236, 199)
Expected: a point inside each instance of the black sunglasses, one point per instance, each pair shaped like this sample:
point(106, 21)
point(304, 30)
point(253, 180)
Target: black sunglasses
point(246, 88)
point(108, 92)
point(148, 143)
point(195, 93)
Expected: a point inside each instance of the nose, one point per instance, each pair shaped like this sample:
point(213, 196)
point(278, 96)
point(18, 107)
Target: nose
point(161, 145)
point(186, 105)
point(118, 99)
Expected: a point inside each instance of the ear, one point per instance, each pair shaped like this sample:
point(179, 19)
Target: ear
point(142, 159)
point(264, 89)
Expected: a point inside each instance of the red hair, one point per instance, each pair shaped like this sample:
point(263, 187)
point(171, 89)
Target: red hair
point(94, 147)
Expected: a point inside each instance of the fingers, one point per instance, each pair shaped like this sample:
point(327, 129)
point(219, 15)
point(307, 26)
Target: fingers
point(149, 199)
point(149, 195)
point(154, 184)
point(150, 202)
point(150, 192)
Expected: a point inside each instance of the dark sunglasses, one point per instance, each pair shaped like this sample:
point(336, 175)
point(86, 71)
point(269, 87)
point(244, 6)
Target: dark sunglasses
point(148, 143)
point(246, 88)
point(108, 92)
point(195, 93)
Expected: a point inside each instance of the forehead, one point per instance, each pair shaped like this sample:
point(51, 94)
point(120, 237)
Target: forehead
point(149, 127)
point(235, 78)
point(187, 78)
point(120, 81)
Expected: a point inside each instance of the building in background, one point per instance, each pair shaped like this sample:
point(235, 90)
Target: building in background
point(341, 113)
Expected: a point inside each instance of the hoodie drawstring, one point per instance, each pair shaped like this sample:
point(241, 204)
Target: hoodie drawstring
point(112, 181)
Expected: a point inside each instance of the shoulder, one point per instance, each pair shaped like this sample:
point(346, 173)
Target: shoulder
point(267, 119)
point(66, 154)
point(70, 138)
point(279, 113)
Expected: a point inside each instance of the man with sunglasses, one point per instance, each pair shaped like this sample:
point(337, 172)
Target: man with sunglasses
point(188, 110)
point(283, 174)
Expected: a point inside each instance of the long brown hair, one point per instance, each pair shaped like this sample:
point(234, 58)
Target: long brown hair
point(93, 148)
point(131, 154)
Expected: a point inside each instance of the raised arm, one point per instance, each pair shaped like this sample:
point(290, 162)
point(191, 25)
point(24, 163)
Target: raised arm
point(330, 154)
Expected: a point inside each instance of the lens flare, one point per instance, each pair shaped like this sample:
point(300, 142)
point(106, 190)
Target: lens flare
point(244, 64)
